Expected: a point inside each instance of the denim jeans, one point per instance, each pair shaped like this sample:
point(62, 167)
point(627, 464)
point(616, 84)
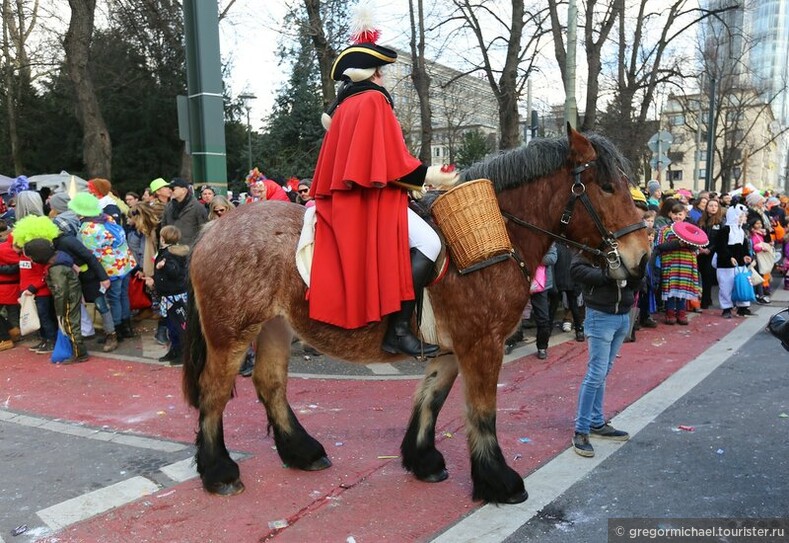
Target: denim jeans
point(47, 318)
point(118, 299)
point(605, 333)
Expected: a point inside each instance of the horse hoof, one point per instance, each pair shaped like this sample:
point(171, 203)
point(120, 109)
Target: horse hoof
point(520, 497)
point(437, 477)
point(226, 489)
point(321, 463)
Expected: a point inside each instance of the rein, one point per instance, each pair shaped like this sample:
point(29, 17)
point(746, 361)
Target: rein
point(609, 248)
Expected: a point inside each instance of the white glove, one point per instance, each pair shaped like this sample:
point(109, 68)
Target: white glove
point(418, 194)
point(438, 178)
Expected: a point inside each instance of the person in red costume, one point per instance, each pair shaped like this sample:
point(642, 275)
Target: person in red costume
point(261, 188)
point(373, 255)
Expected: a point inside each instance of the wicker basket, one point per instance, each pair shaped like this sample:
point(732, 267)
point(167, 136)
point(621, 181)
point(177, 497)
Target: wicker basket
point(470, 219)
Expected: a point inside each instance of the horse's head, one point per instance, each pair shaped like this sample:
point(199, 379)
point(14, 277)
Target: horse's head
point(609, 221)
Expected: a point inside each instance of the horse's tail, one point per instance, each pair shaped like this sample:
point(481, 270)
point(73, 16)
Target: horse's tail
point(194, 346)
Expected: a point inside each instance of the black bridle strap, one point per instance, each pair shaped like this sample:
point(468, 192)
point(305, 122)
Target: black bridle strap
point(577, 245)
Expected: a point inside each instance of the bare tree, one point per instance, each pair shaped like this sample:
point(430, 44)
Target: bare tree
point(650, 55)
point(421, 78)
point(597, 28)
point(19, 20)
point(97, 147)
point(327, 25)
point(517, 40)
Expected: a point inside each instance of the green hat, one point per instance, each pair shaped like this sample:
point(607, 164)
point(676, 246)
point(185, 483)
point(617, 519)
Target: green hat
point(85, 204)
point(157, 183)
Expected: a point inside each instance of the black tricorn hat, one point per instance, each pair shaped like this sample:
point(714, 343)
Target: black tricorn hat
point(361, 56)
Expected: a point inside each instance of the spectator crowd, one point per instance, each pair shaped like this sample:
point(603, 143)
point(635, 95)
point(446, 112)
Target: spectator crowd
point(99, 258)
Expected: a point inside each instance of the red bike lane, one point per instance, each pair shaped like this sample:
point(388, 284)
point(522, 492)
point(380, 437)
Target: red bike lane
point(365, 495)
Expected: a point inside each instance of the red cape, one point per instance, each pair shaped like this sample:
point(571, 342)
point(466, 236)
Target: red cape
point(361, 269)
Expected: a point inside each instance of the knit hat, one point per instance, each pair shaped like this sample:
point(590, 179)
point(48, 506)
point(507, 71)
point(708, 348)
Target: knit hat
point(99, 187)
point(754, 199)
point(772, 202)
point(653, 186)
point(85, 205)
point(157, 184)
point(39, 250)
point(59, 202)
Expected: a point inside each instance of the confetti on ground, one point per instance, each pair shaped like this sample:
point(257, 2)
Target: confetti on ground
point(277, 524)
point(687, 428)
point(524, 440)
point(783, 416)
point(448, 434)
point(719, 451)
point(387, 456)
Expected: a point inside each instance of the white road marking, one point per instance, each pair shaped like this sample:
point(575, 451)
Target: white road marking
point(492, 523)
point(88, 505)
point(90, 433)
point(383, 369)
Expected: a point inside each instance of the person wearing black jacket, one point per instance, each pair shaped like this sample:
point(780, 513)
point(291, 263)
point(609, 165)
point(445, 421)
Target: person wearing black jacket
point(608, 302)
point(169, 279)
point(732, 249)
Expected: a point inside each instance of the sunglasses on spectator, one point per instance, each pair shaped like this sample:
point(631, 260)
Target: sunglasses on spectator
point(302, 191)
point(219, 210)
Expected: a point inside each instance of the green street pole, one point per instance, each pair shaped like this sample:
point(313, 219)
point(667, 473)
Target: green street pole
point(205, 99)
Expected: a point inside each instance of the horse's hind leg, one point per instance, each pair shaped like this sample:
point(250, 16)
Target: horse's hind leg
point(494, 481)
point(295, 446)
point(219, 473)
point(418, 448)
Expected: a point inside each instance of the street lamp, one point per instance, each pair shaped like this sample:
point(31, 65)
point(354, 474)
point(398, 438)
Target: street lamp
point(247, 98)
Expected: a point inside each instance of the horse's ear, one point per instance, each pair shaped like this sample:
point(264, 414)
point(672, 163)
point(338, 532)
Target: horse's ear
point(581, 149)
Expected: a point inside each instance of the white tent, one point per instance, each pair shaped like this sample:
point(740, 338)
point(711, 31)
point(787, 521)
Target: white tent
point(5, 182)
point(58, 182)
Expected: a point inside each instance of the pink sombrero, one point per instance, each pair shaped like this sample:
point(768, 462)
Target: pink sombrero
point(690, 233)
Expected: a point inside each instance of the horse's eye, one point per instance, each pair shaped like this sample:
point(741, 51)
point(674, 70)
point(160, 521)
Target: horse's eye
point(608, 187)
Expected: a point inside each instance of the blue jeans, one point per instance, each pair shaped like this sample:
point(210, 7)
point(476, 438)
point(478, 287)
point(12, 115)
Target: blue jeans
point(118, 299)
point(47, 318)
point(605, 333)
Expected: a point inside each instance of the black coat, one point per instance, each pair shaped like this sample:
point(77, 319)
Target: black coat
point(725, 251)
point(600, 291)
point(82, 256)
point(170, 279)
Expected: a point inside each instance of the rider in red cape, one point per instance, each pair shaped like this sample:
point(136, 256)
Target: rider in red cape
point(373, 255)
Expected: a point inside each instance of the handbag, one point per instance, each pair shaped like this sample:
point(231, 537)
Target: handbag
point(138, 298)
point(28, 315)
point(765, 260)
point(755, 278)
point(539, 280)
point(742, 290)
point(63, 349)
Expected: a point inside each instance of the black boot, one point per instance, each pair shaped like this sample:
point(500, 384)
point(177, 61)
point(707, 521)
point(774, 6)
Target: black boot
point(125, 330)
point(399, 338)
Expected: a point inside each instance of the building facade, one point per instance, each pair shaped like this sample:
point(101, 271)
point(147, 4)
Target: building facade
point(459, 103)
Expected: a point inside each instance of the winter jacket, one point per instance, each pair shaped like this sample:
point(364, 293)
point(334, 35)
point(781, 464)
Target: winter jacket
point(9, 273)
point(91, 272)
point(188, 216)
point(171, 278)
point(725, 251)
point(561, 270)
point(600, 291)
point(107, 241)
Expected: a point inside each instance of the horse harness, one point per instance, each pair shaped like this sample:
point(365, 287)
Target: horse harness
point(608, 249)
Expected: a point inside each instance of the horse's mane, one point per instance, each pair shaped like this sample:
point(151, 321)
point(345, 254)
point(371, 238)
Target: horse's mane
point(540, 158)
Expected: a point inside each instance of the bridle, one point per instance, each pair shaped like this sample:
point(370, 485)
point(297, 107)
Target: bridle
point(609, 247)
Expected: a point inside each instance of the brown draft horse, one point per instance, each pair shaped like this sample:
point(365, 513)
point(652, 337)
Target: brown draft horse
point(243, 290)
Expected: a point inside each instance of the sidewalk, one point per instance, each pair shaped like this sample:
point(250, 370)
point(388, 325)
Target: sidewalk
point(366, 494)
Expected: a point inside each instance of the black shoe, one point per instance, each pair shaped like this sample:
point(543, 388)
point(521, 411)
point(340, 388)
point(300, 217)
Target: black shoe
point(582, 446)
point(171, 356)
point(542, 354)
point(607, 431)
point(744, 312)
point(125, 330)
point(46, 347)
point(649, 322)
point(37, 346)
point(579, 334)
point(726, 314)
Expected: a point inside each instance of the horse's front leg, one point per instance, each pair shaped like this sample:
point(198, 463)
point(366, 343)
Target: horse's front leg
point(494, 481)
point(418, 448)
point(295, 446)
